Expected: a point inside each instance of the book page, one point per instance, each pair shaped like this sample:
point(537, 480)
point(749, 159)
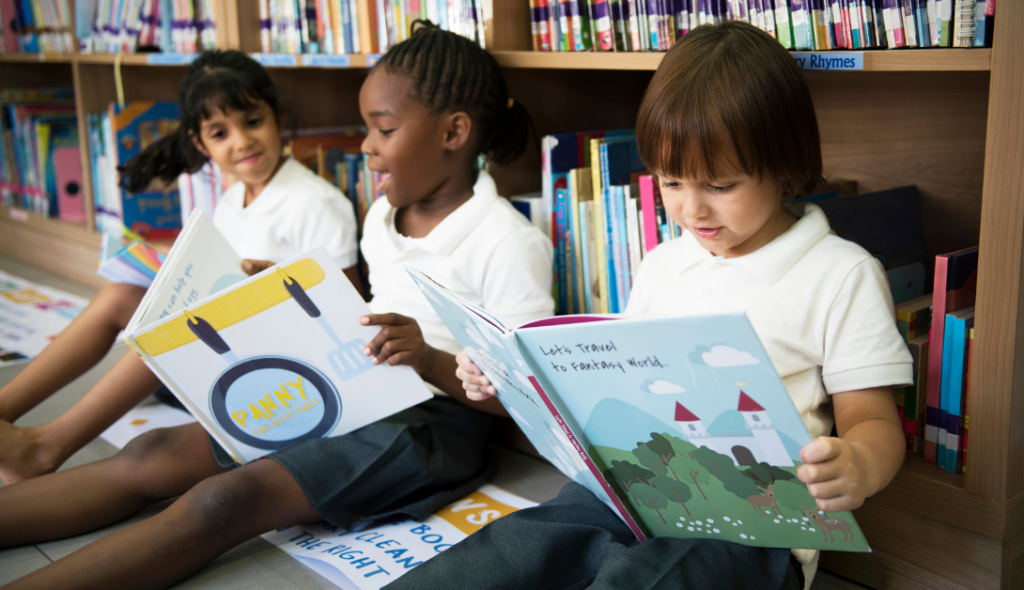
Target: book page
point(200, 263)
point(538, 414)
point(691, 422)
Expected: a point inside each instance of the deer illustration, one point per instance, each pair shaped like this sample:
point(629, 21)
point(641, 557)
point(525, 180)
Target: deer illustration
point(767, 499)
point(827, 525)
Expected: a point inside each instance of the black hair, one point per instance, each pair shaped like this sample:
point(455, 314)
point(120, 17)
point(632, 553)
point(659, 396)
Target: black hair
point(216, 80)
point(451, 72)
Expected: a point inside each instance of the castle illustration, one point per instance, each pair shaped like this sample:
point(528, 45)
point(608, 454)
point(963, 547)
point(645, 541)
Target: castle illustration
point(761, 442)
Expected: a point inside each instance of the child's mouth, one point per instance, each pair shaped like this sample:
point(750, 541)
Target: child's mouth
point(707, 232)
point(382, 184)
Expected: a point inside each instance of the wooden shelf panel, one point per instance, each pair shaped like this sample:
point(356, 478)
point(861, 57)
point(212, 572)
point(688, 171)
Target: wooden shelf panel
point(356, 60)
point(58, 227)
point(925, 60)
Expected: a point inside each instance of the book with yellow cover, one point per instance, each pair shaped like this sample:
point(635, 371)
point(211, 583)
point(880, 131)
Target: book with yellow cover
point(266, 361)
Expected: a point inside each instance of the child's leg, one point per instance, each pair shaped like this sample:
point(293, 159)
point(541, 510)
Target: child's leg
point(155, 466)
point(77, 349)
point(213, 517)
point(30, 452)
point(576, 542)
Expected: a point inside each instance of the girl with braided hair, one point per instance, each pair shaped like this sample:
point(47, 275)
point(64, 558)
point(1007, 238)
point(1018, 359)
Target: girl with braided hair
point(276, 210)
point(432, 105)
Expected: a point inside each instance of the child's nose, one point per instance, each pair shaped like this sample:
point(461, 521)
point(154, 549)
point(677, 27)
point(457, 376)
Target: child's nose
point(367, 146)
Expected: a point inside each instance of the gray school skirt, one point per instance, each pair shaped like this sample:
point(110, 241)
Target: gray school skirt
point(408, 465)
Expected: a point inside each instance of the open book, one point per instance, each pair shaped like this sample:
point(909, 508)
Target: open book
point(681, 425)
point(267, 361)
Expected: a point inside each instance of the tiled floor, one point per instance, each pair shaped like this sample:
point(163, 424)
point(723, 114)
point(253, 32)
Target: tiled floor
point(255, 564)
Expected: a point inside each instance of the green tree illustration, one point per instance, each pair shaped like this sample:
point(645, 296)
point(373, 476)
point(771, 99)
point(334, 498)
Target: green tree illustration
point(722, 468)
point(621, 473)
point(674, 490)
point(650, 496)
point(663, 449)
point(793, 494)
point(648, 458)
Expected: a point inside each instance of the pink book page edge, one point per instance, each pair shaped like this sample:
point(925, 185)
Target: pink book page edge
point(590, 463)
point(564, 320)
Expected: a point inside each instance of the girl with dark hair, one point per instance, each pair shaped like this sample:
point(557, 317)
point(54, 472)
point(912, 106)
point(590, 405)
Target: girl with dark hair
point(432, 105)
point(231, 115)
point(728, 126)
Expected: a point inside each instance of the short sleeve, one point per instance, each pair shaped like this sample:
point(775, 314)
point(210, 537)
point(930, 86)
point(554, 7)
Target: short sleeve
point(863, 348)
point(329, 221)
point(517, 282)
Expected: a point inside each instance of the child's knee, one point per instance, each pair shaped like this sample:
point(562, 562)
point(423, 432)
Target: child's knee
point(118, 301)
point(222, 504)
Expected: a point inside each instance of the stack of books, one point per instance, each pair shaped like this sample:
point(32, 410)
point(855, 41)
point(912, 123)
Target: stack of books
point(40, 165)
point(654, 25)
point(34, 26)
point(127, 26)
point(359, 26)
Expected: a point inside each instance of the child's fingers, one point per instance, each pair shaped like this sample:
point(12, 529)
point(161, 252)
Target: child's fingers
point(817, 472)
point(476, 394)
point(840, 504)
point(392, 347)
point(466, 364)
point(404, 357)
point(821, 449)
point(384, 319)
point(474, 378)
point(251, 267)
point(827, 489)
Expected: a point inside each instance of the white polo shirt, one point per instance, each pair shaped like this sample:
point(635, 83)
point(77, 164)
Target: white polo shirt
point(820, 305)
point(297, 211)
point(485, 251)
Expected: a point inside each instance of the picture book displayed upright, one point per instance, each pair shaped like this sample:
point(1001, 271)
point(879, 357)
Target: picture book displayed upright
point(267, 361)
point(680, 425)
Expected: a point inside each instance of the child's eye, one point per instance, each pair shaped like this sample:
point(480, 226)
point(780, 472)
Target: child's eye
point(256, 121)
point(386, 132)
point(218, 135)
point(719, 189)
point(672, 185)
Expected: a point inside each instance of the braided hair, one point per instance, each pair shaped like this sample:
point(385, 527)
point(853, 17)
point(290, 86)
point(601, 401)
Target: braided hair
point(216, 80)
point(450, 72)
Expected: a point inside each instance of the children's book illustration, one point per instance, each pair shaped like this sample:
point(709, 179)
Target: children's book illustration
point(680, 425)
point(31, 316)
point(272, 360)
point(373, 558)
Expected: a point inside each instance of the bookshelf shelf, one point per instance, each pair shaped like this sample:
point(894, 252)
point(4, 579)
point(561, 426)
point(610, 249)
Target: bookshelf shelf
point(924, 60)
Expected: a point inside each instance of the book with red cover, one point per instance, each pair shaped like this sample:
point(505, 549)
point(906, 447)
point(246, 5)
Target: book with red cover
point(956, 285)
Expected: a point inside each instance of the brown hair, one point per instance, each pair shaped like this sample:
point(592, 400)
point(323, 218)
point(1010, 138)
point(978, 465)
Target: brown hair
point(731, 95)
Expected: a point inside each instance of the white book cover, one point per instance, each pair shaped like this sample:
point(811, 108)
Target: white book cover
point(267, 361)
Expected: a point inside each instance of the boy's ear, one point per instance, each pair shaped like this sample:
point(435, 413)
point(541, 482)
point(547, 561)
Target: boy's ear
point(199, 145)
point(458, 130)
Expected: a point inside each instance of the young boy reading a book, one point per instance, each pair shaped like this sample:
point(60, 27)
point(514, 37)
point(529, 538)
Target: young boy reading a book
point(728, 125)
point(277, 209)
point(432, 104)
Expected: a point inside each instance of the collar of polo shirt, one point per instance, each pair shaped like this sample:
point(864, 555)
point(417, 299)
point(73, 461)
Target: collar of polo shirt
point(443, 239)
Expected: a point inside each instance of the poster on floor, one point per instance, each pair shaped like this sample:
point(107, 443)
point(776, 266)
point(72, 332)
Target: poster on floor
point(373, 558)
point(30, 316)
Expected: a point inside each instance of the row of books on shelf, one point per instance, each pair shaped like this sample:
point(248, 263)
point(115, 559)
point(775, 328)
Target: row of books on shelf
point(107, 26)
point(654, 25)
point(359, 26)
point(40, 157)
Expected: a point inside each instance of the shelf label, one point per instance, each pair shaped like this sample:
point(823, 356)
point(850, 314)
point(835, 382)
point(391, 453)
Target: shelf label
point(170, 59)
point(829, 61)
point(276, 60)
point(372, 59)
point(326, 60)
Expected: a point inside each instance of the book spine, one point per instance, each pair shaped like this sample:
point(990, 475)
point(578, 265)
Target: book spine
point(648, 212)
point(909, 23)
point(967, 401)
point(931, 430)
point(956, 380)
point(599, 231)
point(587, 249)
point(560, 254)
point(603, 26)
point(578, 243)
point(944, 392)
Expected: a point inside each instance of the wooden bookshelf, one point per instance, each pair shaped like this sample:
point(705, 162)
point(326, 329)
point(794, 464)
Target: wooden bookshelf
point(950, 121)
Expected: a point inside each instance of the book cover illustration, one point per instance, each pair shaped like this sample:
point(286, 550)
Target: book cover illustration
point(680, 425)
point(277, 359)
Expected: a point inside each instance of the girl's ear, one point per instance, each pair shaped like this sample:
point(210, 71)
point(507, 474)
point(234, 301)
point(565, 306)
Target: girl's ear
point(199, 144)
point(459, 127)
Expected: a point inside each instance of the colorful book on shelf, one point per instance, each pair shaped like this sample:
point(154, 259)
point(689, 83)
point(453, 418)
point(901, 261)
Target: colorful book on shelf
point(267, 361)
point(958, 326)
point(910, 399)
point(914, 318)
point(967, 401)
point(718, 433)
point(956, 283)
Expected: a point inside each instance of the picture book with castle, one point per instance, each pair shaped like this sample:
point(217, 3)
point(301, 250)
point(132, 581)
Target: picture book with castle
point(681, 425)
point(266, 361)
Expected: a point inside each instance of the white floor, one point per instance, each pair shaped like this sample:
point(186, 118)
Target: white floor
point(255, 564)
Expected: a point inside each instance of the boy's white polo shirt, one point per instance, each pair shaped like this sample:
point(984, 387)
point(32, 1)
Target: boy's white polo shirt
point(296, 211)
point(820, 305)
point(485, 251)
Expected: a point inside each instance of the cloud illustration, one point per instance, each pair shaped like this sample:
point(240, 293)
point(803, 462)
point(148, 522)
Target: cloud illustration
point(522, 378)
point(475, 336)
point(727, 356)
point(662, 387)
point(519, 418)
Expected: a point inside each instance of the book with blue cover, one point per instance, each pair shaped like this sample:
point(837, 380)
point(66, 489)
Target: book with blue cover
point(680, 425)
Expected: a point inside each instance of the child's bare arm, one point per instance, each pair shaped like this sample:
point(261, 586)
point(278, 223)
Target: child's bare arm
point(400, 342)
point(841, 472)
